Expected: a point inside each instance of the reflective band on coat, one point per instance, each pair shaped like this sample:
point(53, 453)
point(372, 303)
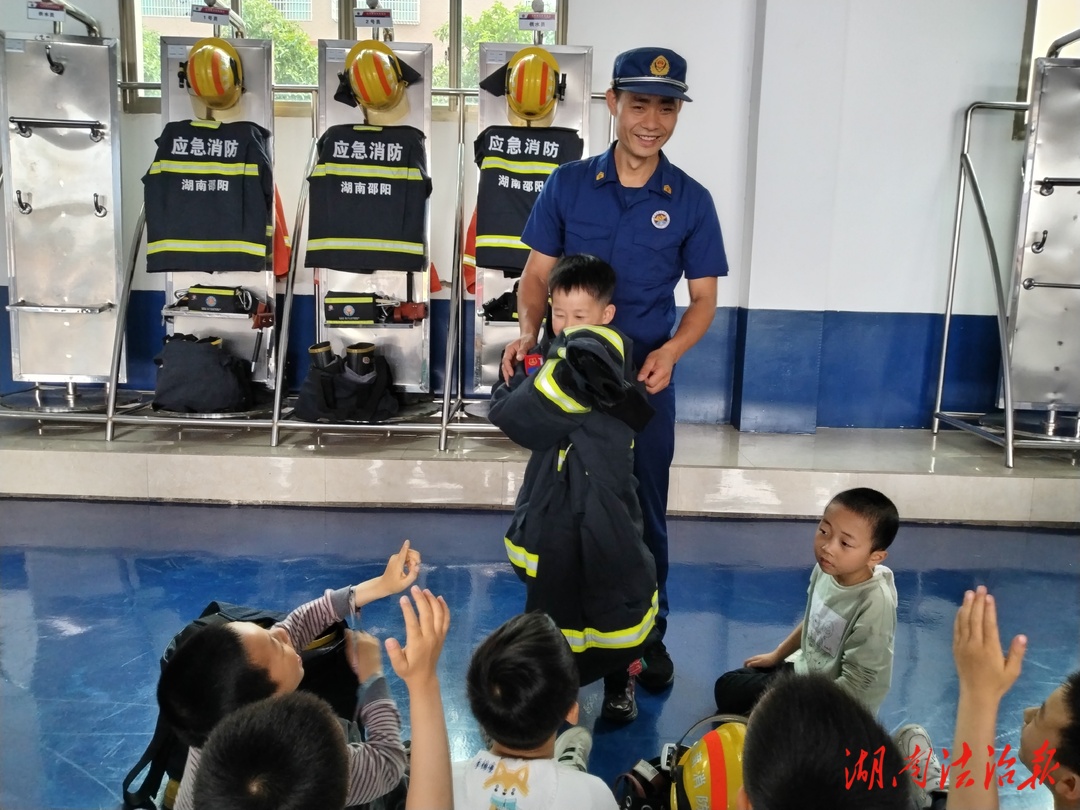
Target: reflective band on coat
point(582, 640)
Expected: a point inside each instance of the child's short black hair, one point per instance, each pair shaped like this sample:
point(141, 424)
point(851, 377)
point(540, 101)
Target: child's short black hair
point(583, 272)
point(1068, 753)
point(282, 753)
point(803, 744)
point(522, 681)
point(208, 677)
point(874, 508)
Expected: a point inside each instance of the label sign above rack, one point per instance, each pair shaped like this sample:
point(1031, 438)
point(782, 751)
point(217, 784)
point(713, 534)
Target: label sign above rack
point(210, 14)
point(536, 20)
point(41, 10)
point(373, 18)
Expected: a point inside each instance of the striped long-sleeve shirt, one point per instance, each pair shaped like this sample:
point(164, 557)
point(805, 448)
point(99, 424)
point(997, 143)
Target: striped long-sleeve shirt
point(375, 766)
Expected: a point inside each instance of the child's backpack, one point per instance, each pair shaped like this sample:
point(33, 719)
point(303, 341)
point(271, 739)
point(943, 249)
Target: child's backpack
point(326, 673)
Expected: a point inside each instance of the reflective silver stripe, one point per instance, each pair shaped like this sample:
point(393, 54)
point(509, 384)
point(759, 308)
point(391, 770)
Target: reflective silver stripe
point(518, 167)
point(415, 248)
point(384, 172)
point(205, 246)
point(203, 167)
point(610, 335)
point(581, 640)
point(498, 241)
point(546, 385)
point(521, 558)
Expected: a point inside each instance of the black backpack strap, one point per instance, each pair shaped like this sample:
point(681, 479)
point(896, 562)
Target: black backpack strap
point(156, 755)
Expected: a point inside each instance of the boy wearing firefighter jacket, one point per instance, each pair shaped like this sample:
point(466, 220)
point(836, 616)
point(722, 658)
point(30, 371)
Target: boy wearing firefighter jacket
point(576, 535)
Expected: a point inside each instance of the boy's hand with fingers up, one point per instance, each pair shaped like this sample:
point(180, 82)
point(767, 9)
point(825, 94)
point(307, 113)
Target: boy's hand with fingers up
point(431, 786)
point(402, 569)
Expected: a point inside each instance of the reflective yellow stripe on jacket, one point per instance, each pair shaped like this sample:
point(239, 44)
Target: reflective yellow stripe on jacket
point(518, 167)
point(338, 243)
point(546, 385)
point(496, 240)
point(203, 167)
point(521, 558)
point(206, 246)
point(582, 640)
point(353, 170)
point(603, 332)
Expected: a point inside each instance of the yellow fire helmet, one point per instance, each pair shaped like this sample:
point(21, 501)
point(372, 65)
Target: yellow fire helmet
point(375, 75)
point(214, 73)
point(709, 774)
point(532, 83)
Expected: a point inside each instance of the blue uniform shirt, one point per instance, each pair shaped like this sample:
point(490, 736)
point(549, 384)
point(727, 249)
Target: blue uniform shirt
point(652, 236)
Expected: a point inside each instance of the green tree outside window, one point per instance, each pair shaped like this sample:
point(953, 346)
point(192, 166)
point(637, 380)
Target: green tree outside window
point(496, 24)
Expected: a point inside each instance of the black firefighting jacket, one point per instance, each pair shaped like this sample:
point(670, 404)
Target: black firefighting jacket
point(576, 535)
point(209, 198)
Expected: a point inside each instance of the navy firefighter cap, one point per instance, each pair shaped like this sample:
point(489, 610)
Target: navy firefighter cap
point(654, 71)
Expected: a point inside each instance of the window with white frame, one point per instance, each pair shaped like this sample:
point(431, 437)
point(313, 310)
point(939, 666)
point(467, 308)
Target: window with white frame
point(165, 8)
point(406, 12)
point(297, 25)
point(293, 9)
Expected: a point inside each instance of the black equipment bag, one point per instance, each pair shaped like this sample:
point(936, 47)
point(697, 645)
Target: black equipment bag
point(337, 394)
point(197, 375)
point(352, 309)
point(326, 673)
point(230, 300)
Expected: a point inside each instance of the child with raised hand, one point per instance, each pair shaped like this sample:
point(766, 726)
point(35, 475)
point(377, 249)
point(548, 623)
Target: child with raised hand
point(430, 784)
point(287, 752)
point(849, 623)
point(222, 668)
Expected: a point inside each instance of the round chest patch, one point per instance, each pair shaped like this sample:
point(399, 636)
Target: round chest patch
point(211, 301)
point(349, 310)
point(661, 220)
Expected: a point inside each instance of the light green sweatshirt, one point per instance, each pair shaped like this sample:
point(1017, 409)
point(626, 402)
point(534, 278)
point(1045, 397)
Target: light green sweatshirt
point(848, 632)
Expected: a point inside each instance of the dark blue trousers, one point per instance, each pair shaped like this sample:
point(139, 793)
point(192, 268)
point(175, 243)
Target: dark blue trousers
point(654, 448)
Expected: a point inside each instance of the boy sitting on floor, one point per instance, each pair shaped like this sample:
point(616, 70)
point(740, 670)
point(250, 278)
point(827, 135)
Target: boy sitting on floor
point(850, 620)
point(221, 668)
point(522, 686)
point(576, 538)
point(289, 752)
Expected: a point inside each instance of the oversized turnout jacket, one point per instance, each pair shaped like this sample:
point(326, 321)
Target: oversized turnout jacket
point(209, 197)
point(576, 535)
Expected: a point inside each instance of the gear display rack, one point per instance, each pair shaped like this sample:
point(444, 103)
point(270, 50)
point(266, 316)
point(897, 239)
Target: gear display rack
point(1037, 305)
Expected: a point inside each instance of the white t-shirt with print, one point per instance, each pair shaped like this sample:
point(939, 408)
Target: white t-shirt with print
point(490, 782)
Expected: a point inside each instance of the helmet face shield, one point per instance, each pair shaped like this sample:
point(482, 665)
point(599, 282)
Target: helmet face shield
point(214, 73)
point(532, 84)
point(375, 76)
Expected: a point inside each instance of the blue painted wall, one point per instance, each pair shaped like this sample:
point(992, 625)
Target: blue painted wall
point(776, 371)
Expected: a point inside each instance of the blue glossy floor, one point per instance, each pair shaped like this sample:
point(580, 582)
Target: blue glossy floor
point(91, 592)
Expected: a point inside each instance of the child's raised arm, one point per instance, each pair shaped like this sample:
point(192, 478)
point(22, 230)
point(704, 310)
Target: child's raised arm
point(431, 786)
point(402, 569)
point(985, 675)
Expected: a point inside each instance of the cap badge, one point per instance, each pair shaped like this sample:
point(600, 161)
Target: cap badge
point(661, 220)
point(660, 66)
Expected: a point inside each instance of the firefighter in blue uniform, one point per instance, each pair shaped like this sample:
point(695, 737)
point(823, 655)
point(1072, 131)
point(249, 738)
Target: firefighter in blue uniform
point(655, 225)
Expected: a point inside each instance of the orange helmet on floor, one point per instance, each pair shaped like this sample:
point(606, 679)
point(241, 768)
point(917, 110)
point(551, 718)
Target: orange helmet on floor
point(532, 83)
point(214, 73)
point(375, 75)
point(709, 774)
